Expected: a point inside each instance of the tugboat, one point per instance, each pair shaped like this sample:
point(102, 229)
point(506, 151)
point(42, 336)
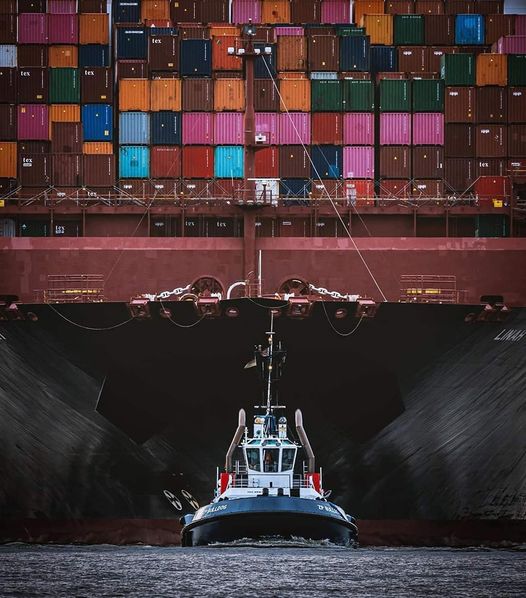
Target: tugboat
point(267, 493)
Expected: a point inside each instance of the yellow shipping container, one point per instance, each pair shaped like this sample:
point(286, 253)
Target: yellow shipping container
point(97, 147)
point(229, 94)
point(94, 28)
point(292, 53)
point(295, 94)
point(63, 56)
point(165, 94)
point(8, 159)
point(275, 11)
point(134, 94)
point(492, 69)
point(379, 27)
point(64, 113)
point(367, 7)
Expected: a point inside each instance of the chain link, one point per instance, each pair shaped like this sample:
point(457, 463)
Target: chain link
point(333, 294)
point(176, 291)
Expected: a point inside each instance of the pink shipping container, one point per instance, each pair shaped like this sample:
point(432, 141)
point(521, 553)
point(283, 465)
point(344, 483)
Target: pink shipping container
point(33, 122)
point(358, 162)
point(294, 128)
point(336, 11)
point(33, 28)
point(58, 7)
point(512, 44)
point(245, 10)
point(395, 128)
point(358, 128)
point(228, 128)
point(267, 124)
point(297, 31)
point(63, 29)
point(520, 24)
point(428, 128)
point(198, 128)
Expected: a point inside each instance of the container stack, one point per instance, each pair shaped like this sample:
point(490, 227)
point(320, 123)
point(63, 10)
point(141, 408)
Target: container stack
point(370, 100)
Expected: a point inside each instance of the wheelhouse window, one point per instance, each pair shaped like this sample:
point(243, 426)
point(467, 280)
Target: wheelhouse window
point(287, 458)
point(270, 460)
point(253, 459)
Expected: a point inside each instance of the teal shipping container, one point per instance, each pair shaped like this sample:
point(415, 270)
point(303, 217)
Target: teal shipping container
point(408, 30)
point(134, 162)
point(516, 69)
point(357, 95)
point(326, 95)
point(428, 95)
point(395, 95)
point(228, 162)
point(458, 69)
point(64, 86)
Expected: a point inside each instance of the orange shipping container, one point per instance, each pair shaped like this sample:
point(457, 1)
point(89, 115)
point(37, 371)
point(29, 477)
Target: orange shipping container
point(292, 53)
point(229, 94)
point(134, 94)
point(155, 9)
point(221, 30)
point(94, 28)
point(165, 95)
point(97, 147)
point(379, 28)
point(8, 159)
point(492, 69)
point(221, 59)
point(63, 57)
point(295, 94)
point(275, 11)
point(64, 113)
point(367, 7)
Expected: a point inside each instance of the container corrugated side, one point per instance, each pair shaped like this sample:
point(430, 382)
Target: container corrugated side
point(428, 128)
point(97, 148)
point(134, 162)
point(295, 94)
point(512, 44)
point(357, 96)
point(64, 86)
point(428, 95)
point(165, 94)
point(8, 56)
point(33, 28)
point(99, 171)
point(266, 162)
point(323, 53)
point(492, 105)
point(294, 128)
point(358, 162)
point(395, 95)
point(327, 161)
point(62, 6)
point(246, 11)
point(63, 29)
point(358, 128)
point(165, 162)
point(516, 103)
point(275, 11)
point(369, 7)
point(492, 69)
point(460, 104)
point(166, 128)
point(458, 69)
point(198, 128)
point(94, 29)
point(292, 53)
point(379, 28)
point(63, 56)
point(229, 94)
point(198, 162)
point(33, 122)
point(395, 128)
point(355, 53)
point(65, 113)
point(491, 141)
point(97, 122)
point(408, 30)
point(134, 94)
point(326, 95)
point(469, 30)
point(335, 11)
point(228, 128)
point(516, 69)
point(326, 128)
point(266, 123)
point(228, 161)
point(8, 159)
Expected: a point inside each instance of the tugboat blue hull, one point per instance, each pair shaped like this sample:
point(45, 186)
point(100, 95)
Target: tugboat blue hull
point(269, 517)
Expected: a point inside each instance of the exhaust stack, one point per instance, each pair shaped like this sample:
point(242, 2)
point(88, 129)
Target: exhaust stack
point(236, 440)
point(305, 441)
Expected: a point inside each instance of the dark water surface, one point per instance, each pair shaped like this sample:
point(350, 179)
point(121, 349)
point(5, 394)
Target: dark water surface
point(312, 571)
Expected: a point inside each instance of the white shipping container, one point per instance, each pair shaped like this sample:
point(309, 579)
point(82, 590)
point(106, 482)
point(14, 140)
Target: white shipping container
point(8, 56)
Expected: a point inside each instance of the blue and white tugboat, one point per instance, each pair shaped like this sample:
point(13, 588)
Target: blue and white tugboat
point(265, 491)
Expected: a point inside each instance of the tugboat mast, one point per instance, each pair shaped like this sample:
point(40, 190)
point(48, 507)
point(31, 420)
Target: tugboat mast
point(270, 355)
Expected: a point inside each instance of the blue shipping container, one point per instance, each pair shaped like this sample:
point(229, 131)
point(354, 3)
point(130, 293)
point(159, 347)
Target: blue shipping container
point(295, 190)
point(260, 70)
point(327, 161)
point(196, 58)
point(469, 30)
point(383, 59)
point(228, 162)
point(94, 55)
point(134, 128)
point(127, 11)
point(166, 128)
point(8, 56)
point(134, 162)
point(354, 53)
point(132, 43)
point(97, 122)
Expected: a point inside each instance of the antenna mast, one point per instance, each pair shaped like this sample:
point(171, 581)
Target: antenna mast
point(270, 355)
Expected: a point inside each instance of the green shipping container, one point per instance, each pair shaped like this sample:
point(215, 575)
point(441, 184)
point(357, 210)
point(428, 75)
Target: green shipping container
point(326, 95)
point(408, 30)
point(357, 95)
point(516, 69)
point(458, 69)
point(395, 95)
point(428, 95)
point(64, 86)
point(491, 225)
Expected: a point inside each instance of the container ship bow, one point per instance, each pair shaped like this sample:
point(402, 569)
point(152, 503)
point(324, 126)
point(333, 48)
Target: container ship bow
point(172, 172)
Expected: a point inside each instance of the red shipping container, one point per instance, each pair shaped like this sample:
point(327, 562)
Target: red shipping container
point(198, 188)
point(33, 28)
point(326, 127)
point(63, 29)
point(439, 30)
point(492, 104)
point(517, 167)
point(335, 11)
point(34, 170)
point(93, 6)
point(99, 170)
point(163, 53)
point(496, 26)
point(33, 85)
point(428, 162)
point(455, 7)
point(434, 56)
point(520, 24)
point(8, 128)
point(267, 162)
point(425, 188)
point(294, 162)
point(516, 141)
point(62, 7)
point(8, 7)
point(185, 11)
point(67, 170)
point(359, 192)
point(165, 162)
point(214, 12)
point(32, 6)
point(490, 167)
point(491, 141)
point(228, 188)
point(96, 85)
point(394, 189)
point(429, 7)
point(305, 11)
point(516, 104)
point(198, 162)
point(198, 94)
point(459, 141)
point(413, 59)
point(33, 122)
point(32, 55)
point(395, 162)
point(66, 138)
point(399, 7)
point(132, 69)
point(460, 104)
point(8, 87)
point(7, 29)
point(323, 53)
point(493, 190)
point(460, 174)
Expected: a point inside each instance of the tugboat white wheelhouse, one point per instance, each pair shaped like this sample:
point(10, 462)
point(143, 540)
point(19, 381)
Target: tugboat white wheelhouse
point(268, 492)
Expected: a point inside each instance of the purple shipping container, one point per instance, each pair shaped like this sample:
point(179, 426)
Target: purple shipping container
point(297, 31)
point(63, 7)
point(428, 128)
point(244, 11)
point(358, 128)
point(358, 162)
point(395, 128)
point(33, 28)
point(228, 128)
point(294, 128)
point(512, 44)
point(520, 24)
point(335, 11)
point(198, 128)
point(33, 122)
point(267, 124)
point(63, 29)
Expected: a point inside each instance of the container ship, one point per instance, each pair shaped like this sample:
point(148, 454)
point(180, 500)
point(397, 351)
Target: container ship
point(172, 171)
